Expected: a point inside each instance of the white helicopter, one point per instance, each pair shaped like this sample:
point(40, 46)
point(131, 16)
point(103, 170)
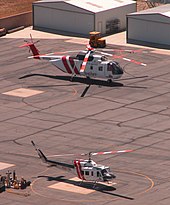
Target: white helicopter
point(86, 170)
point(86, 63)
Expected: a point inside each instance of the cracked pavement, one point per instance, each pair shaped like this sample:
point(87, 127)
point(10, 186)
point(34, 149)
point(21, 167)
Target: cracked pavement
point(134, 114)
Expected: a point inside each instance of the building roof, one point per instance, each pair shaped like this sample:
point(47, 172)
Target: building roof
point(162, 10)
point(93, 5)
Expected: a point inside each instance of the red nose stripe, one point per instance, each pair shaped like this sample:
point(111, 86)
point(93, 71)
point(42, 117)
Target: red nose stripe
point(78, 169)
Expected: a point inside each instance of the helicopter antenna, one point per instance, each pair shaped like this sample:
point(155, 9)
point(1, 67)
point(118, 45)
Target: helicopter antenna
point(90, 156)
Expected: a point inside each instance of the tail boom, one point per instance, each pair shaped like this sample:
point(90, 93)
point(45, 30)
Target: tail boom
point(33, 48)
point(61, 165)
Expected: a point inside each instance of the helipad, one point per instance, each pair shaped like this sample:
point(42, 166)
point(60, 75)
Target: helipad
point(23, 92)
point(71, 187)
point(5, 165)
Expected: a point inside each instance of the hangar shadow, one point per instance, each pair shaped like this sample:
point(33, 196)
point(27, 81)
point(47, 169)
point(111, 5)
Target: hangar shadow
point(67, 33)
point(88, 185)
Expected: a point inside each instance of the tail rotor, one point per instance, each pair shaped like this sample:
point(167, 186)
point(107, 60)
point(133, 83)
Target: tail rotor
point(32, 47)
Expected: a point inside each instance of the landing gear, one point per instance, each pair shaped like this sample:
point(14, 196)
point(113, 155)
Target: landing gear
point(71, 79)
point(94, 185)
point(109, 81)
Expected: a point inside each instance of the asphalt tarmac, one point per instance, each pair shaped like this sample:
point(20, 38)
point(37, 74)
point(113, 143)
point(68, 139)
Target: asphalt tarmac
point(38, 102)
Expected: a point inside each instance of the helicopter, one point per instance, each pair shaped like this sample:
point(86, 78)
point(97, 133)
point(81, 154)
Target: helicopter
point(86, 63)
point(86, 170)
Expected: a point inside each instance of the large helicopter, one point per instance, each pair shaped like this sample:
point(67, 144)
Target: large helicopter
point(86, 170)
point(86, 63)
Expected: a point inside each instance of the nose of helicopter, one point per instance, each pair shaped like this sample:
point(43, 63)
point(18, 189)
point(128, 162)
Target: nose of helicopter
point(109, 176)
point(120, 71)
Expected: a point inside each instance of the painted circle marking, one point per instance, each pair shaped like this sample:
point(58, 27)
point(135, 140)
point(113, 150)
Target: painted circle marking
point(151, 185)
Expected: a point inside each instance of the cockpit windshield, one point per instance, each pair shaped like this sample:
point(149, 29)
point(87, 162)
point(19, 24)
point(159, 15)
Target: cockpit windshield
point(111, 67)
point(105, 171)
point(114, 67)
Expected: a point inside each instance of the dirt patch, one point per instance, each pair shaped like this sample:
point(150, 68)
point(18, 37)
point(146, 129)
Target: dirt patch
point(143, 5)
point(11, 7)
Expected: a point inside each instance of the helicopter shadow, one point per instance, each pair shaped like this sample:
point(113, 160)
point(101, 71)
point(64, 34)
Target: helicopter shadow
point(105, 189)
point(83, 80)
point(76, 79)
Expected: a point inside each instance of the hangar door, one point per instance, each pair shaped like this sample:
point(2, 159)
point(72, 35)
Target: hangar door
point(148, 31)
point(61, 20)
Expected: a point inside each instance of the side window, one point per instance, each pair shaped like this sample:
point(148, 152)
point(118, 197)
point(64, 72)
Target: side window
point(90, 58)
point(91, 173)
point(109, 67)
point(86, 172)
point(100, 68)
point(98, 174)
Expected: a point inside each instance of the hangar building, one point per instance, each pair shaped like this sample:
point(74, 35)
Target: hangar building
point(150, 27)
point(82, 16)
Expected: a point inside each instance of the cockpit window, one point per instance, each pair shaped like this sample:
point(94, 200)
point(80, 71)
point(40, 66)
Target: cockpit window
point(86, 172)
point(104, 171)
point(112, 66)
point(98, 174)
point(109, 67)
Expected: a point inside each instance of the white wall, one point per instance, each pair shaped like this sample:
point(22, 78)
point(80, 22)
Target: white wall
point(111, 14)
point(61, 16)
point(148, 31)
point(63, 20)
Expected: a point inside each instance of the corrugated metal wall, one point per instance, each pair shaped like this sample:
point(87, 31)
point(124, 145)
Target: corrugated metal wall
point(67, 20)
point(149, 31)
point(61, 16)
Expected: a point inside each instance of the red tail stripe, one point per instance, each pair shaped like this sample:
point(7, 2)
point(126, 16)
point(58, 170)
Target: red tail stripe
point(73, 65)
point(66, 64)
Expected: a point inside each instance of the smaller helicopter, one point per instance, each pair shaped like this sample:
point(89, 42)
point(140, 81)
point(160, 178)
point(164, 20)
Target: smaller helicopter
point(86, 170)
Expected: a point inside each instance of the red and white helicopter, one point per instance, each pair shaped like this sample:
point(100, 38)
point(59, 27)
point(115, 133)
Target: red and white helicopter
point(86, 170)
point(86, 63)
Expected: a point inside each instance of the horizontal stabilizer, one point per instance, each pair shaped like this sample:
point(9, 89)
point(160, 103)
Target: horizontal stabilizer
point(26, 45)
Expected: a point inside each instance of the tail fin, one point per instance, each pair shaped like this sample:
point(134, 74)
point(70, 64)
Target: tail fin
point(32, 47)
point(40, 153)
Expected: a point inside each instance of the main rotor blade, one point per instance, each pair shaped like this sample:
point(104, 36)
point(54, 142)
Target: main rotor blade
point(83, 66)
point(126, 50)
point(121, 57)
point(110, 152)
point(91, 153)
point(130, 60)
